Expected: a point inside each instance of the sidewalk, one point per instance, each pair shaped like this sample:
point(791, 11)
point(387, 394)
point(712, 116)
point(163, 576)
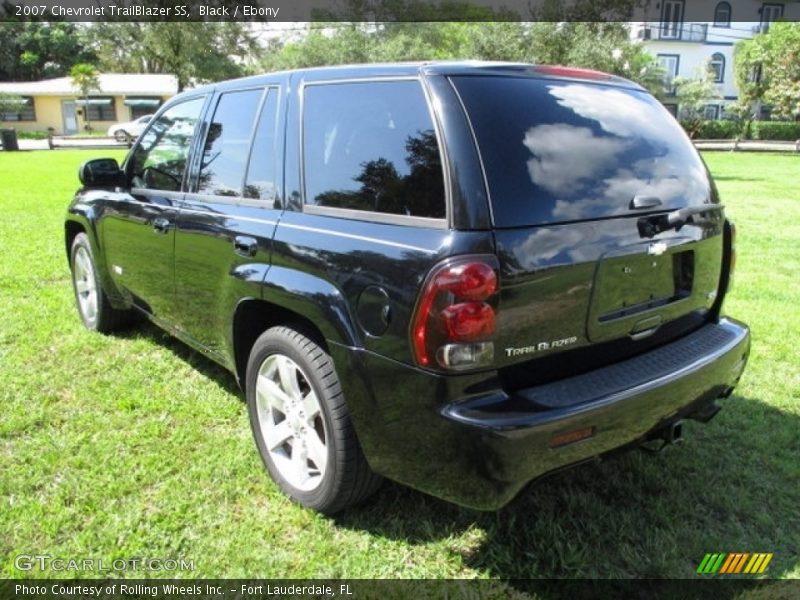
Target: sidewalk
point(748, 145)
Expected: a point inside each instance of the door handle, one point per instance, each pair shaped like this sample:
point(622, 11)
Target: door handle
point(161, 225)
point(244, 245)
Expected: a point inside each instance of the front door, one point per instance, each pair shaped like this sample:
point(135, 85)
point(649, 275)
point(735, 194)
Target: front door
point(70, 117)
point(138, 227)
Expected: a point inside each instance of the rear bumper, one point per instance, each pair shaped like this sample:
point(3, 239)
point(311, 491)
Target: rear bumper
point(482, 450)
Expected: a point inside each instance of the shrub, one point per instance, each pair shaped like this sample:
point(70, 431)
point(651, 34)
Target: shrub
point(775, 130)
point(718, 130)
point(32, 135)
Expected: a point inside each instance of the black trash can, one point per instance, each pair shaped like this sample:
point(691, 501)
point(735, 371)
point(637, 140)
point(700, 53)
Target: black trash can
point(9, 138)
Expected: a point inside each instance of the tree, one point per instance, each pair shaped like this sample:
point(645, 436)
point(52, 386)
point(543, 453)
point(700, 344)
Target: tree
point(600, 45)
point(193, 52)
point(693, 95)
point(85, 79)
point(38, 50)
point(768, 70)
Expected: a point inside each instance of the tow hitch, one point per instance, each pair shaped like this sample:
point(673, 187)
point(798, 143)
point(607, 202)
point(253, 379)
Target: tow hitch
point(661, 438)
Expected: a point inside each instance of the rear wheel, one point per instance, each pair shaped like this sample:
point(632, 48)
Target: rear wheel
point(94, 308)
point(122, 136)
point(301, 423)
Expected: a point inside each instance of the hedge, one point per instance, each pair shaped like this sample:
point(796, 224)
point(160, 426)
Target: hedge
point(775, 130)
point(758, 130)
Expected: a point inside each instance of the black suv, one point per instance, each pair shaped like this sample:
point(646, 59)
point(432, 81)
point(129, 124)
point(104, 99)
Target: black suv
point(460, 276)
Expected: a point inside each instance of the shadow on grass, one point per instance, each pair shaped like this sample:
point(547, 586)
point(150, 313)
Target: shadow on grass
point(632, 515)
point(143, 329)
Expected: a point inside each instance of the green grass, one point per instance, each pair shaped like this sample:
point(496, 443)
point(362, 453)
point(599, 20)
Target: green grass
point(133, 446)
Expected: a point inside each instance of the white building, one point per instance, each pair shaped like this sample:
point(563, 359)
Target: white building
point(689, 36)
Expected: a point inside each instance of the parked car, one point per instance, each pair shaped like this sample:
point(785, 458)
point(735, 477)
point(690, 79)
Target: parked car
point(125, 132)
point(459, 276)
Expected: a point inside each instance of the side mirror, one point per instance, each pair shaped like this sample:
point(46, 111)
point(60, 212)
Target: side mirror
point(101, 172)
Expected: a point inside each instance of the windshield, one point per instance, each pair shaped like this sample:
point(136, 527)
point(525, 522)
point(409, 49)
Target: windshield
point(559, 151)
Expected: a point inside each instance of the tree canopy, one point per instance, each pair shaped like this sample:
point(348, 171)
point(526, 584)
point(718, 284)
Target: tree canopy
point(39, 50)
point(768, 69)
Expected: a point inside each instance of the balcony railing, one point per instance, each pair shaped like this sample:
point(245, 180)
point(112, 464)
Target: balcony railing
point(683, 32)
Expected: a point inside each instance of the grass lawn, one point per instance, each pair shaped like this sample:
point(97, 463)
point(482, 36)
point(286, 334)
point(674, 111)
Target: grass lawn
point(133, 446)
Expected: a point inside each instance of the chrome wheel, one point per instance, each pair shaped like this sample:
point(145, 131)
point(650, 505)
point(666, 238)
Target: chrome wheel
point(85, 284)
point(291, 423)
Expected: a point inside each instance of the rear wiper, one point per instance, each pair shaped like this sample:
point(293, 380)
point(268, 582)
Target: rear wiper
point(653, 225)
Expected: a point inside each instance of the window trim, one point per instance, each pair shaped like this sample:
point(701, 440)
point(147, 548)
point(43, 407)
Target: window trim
point(718, 58)
point(366, 215)
point(723, 6)
point(716, 108)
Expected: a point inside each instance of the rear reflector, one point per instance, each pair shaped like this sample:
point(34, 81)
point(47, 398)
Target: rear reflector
point(571, 437)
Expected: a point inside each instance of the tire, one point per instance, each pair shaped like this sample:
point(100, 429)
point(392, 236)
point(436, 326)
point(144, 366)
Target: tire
point(94, 308)
point(301, 423)
point(122, 136)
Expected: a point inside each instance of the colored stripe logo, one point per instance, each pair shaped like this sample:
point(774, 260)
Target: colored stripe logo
point(734, 562)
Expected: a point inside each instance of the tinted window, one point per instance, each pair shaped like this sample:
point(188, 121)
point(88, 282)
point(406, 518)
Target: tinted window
point(371, 146)
point(558, 151)
point(159, 161)
point(260, 182)
point(227, 144)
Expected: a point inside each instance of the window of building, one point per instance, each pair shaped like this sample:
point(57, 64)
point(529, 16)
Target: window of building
point(717, 67)
point(371, 146)
point(722, 15)
point(142, 105)
point(159, 161)
point(98, 109)
point(672, 109)
point(261, 180)
point(711, 112)
point(21, 110)
point(769, 14)
point(671, 19)
point(227, 144)
point(669, 65)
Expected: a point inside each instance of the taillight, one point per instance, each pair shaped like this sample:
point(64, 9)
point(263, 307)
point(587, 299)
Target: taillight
point(455, 316)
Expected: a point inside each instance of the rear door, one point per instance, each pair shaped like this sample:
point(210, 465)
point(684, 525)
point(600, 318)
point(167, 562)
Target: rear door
point(227, 221)
point(138, 227)
point(576, 170)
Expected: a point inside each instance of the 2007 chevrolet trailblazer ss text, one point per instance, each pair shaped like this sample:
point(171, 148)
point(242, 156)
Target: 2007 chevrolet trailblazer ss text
point(460, 276)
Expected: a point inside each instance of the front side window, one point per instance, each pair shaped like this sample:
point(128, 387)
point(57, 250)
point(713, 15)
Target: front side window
point(227, 144)
point(159, 161)
point(371, 146)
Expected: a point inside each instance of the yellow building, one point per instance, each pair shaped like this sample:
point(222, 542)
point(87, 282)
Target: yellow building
point(56, 104)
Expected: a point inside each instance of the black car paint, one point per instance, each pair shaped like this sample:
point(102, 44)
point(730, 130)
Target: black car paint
point(202, 262)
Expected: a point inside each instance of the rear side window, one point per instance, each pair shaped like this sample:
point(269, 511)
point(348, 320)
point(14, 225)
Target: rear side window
point(558, 151)
point(260, 182)
point(227, 144)
point(371, 146)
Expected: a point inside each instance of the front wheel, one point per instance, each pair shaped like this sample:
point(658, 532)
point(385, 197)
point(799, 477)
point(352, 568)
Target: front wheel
point(122, 136)
point(301, 423)
point(94, 308)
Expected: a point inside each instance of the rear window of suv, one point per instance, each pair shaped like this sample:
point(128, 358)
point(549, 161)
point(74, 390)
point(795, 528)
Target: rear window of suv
point(558, 151)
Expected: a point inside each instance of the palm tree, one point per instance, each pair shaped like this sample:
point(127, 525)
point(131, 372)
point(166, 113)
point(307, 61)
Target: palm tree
point(85, 78)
